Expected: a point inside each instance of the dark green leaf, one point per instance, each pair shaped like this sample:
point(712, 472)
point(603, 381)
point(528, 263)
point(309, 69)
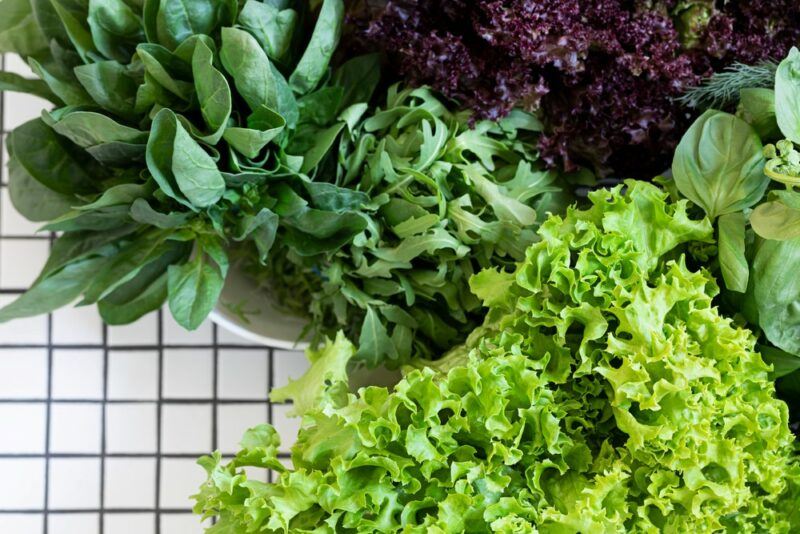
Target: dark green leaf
point(272, 27)
point(33, 200)
point(49, 159)
point(14, 82)
point(54, 291)
point(247, 63)
point(142, 212)
point(110, 85)
point(213, 93)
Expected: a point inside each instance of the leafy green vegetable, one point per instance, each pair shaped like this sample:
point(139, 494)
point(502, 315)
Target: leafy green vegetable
point(176, 134)
point(419, 201)
point(605, 393)
point(719, 164)
point(787, 96)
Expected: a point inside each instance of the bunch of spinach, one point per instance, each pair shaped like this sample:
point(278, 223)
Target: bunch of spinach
point(179, 127)
point(434, 200)
point(750, 191)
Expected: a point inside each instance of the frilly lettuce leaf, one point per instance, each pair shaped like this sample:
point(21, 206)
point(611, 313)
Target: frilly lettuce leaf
point(327, 374)
point(605, 393)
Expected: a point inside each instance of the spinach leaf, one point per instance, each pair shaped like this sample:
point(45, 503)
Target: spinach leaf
point(54, 291)
point(32, 199)
point(115, 28)
point(19, 31)
point(10, 81)
point(194, 287)
point(180, 166)
point(271, 26)
point(213, 92)
point(247, 63)
point(174, 21)
point(719, 164)
point(110, 85)
point(49, 159)
point(314, 63)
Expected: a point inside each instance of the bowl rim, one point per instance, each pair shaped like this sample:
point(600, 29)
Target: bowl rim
point(221, 319)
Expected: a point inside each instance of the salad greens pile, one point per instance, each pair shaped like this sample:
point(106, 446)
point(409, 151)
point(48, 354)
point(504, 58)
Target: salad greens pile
point(742, 170)
point(436, 200)
point(187, 141)
point(604, 393)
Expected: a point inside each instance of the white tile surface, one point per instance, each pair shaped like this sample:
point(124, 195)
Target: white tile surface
point(23, 483)
point(30, 331)
point(131, 428)
point(23, 373)
point(129, 523)
point(133, 375)
point(142, 332)
point(180, 478)
point(21, 260)
point(188, 374)
point(185, 428)
point(23, 524)
point(233, 420)
point(77, 326)
point(74, 483)
point(129, 483)
point(243, 374)
point(77, 374)
point(74, 524)
point(75, 428)
point(23, 428)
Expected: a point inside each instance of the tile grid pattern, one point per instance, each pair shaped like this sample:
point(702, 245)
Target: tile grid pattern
point(100, 426)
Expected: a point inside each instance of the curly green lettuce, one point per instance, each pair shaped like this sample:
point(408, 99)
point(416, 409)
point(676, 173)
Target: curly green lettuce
point(604, 393)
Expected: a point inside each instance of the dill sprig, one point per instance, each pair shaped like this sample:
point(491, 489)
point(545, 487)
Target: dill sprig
point(721, 90)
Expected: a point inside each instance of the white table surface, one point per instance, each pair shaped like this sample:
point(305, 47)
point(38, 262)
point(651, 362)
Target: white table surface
point(100, 426)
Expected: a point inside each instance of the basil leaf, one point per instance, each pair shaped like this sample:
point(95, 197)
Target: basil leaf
point(777, 292)
point(719, 164)
point(787, 95)
point(757, 107)
point(732, 261)
point(776, 220)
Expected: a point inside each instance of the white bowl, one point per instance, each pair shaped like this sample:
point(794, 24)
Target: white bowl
point(266, 324)
point(262, 321)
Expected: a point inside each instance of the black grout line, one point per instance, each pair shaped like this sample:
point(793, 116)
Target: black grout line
point(159, 409)
point(2, 136)
point(70, 511)
point(270, 384)
point(115, 455)
point(166, 401)
point(104, 453)
point(48, 413)
point(124, 348)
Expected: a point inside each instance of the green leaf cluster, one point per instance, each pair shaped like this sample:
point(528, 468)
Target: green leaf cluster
point(431, 199)
point(179, 127)
point(604, 393)
point(751, 192)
